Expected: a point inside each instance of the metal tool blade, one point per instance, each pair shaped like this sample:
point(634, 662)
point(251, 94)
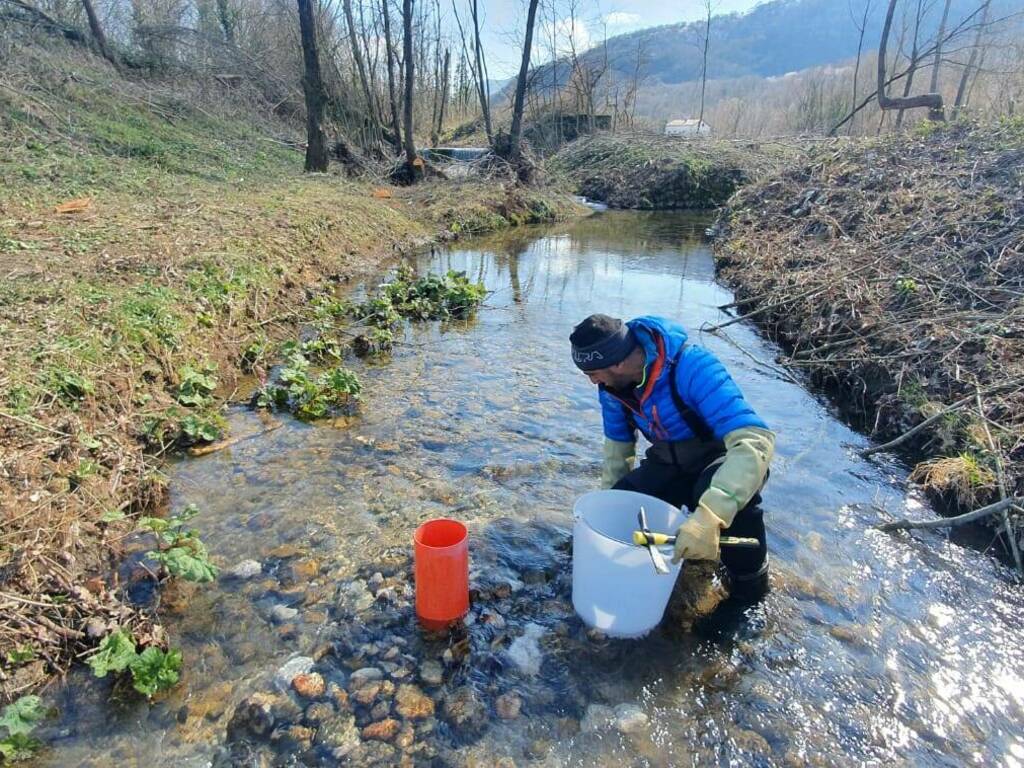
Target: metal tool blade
point(656, 557)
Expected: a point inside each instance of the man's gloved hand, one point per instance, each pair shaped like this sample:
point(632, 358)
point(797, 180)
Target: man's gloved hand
point(697, 538)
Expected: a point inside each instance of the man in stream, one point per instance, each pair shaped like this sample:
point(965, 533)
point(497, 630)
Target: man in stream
point(709, 451)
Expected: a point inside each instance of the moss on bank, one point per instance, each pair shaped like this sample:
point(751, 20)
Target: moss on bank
point(193, 246)
point(650, 172)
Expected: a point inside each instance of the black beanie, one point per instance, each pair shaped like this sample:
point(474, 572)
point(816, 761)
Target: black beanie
point(601, 341)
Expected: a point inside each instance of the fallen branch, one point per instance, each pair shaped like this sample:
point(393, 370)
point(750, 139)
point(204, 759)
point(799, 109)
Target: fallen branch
point(952, 522)
point(936, 417)
point(220, 445)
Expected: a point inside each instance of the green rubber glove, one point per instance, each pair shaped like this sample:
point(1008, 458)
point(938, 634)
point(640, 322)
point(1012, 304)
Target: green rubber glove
point(618, 461)
point(697, 538)
point(741, 475)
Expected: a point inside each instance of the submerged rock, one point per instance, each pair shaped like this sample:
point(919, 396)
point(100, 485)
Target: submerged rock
point(629, 718)
point(464, 710)
point(364, 675)
point(282, 613)
point(431, 672)
point(598, 717)
point(339, 734)
point(413, 704)
point(247, 569)
point(309, 686)
point(508, 705)
point(525, 650)
point(298, 665)
point(385, 730)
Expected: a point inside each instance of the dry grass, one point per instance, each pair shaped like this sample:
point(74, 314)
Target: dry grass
point(201, 242)
point(893, 271)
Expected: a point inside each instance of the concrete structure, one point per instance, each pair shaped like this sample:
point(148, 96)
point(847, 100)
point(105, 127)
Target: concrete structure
point(691, 126)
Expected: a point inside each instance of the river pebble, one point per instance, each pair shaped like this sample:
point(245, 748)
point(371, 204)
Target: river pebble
point(247, 569)
point(282, 613)
point(298, 665)
point(364, 675)
point(598, 717)
point(384, 730)
point(431, 673)
point(525, 650)
point(507, 706)
point(629, 718)
point(413, 704)
point(309, 686)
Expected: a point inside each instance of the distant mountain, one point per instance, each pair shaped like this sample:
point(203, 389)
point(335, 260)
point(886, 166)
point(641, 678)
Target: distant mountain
point(771, 39)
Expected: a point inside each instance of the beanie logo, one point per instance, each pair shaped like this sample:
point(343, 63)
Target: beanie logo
point(586, 357)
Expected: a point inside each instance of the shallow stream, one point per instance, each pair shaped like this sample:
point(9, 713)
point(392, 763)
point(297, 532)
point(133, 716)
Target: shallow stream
point(870, 649)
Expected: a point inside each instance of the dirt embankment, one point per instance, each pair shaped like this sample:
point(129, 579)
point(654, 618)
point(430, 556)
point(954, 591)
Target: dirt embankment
point(892, 271)
point(192, 246)
point(662, 173)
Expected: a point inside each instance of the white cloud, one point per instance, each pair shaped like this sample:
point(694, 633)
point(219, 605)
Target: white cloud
point(619, 21)
point(569, 34)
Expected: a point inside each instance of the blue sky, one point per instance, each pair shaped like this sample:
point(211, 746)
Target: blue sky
point(503, 22)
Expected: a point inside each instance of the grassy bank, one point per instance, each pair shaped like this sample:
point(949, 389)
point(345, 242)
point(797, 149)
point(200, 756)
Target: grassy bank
point(653, 173)
point(156, 243)
point(892, 271)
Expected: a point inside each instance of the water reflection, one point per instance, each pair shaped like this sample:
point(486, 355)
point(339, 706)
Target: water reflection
point(871, 649)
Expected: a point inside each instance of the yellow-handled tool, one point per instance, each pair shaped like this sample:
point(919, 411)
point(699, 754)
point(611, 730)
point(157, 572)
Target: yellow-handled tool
point(642, 539)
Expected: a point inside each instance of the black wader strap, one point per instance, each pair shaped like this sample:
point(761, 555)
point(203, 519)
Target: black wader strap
point(693, 420)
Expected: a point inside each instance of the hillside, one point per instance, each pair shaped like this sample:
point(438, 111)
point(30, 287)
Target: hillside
point(770, 40)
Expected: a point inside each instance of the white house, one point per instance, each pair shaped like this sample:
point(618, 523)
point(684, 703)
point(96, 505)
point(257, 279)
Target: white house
point(689, 127)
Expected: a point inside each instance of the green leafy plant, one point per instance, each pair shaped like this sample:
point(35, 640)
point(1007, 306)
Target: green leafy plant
point(252, 354)
point(180, 551)
point(152, 671)
point(155, 670)
point(201, 428)
point(20, 719)
point(21, 654)
point(71, 386)
point(197, 384)
point(114, 654)
point(307, 397)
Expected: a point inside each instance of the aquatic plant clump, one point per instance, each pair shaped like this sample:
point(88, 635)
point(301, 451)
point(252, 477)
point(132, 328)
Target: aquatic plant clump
point(310, 397)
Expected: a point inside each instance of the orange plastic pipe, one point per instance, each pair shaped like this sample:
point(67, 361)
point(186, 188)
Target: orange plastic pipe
point(442, 573)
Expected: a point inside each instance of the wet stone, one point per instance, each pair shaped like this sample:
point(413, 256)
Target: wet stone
point(464, 710)
point(282, 613)
point(247, 569)
point(413, 704)
point(538, 749)
point(310, 686)
point(629, 718)
point(598, 717)
point(431, 673)
point(380, 710)
point(384, 730)
point(364, 675)
point(299, 665)
point(534, 577)
point(406, 737)
point(318, 713)
point(366, 694)
point(285, 551)
point(508, 705)
point(339, 735)
point(304, 570)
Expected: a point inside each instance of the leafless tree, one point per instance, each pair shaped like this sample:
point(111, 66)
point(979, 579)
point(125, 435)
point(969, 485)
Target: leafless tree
point(481, 73)
point(392, 92)
point(312, 85)
point(934, 86)
point(97, 33)
point(961, 90)
point(704, 66)
point(516, 133)
point(410, 85)
point(860, 47)
point(931, 100)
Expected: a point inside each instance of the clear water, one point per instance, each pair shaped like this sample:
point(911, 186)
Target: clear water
point(871, 649)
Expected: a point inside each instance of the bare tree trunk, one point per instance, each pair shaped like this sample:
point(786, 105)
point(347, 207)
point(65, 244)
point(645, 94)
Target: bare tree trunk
point(516, 133)
point(444, 93)
point(860, 48)
point(966, 76)
point(312, 85)
point(357, 55)
point(934, 87)
point(704, 68)
point(410, 73)
point(914, 60)
point(931, 100)
point(392, 94)
point(481, 75)
point(97, 33)
point(227, 23)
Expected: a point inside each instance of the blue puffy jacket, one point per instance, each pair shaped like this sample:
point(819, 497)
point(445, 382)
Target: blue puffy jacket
point(702, 382)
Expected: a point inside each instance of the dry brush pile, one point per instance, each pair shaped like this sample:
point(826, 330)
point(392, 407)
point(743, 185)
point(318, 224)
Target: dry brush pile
point(893, 273)
point(656, 172)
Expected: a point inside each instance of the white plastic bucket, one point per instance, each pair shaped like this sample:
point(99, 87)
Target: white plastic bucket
point(615, 587)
